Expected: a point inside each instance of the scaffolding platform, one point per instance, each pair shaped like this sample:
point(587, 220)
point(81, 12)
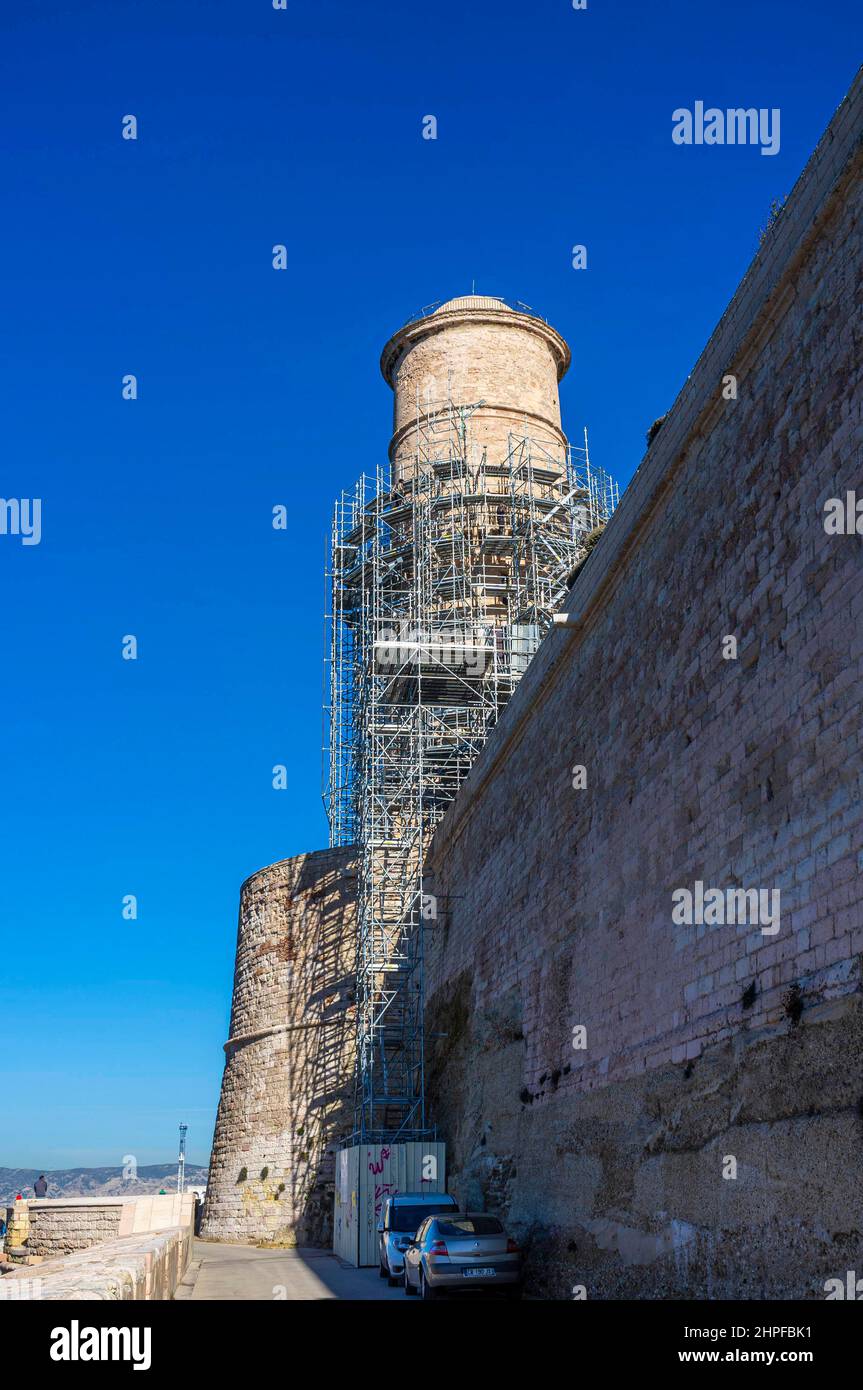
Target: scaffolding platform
point(461, 566)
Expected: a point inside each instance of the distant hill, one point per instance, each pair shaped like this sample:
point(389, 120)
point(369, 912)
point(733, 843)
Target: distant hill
point(97, 1182)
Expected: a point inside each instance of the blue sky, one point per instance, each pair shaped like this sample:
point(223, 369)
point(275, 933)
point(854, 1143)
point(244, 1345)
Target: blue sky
point(259, 387)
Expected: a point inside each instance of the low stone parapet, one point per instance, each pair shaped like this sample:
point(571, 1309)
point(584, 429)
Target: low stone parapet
point(136, 1267)
point(62, 1227)
point(45, 1227)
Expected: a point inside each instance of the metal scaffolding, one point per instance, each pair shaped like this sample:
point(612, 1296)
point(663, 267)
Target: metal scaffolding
point(444, 573)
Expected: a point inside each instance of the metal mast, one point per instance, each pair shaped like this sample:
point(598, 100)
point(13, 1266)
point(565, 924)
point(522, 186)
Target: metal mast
point(181, 1161)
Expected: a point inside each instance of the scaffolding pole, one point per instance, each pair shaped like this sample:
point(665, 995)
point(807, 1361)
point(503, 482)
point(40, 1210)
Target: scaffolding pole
point(443, 578)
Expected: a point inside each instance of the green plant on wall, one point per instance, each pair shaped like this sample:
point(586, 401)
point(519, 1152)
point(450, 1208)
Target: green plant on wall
point(243, 1175)
point(264, 1172)
point(776, 207)
point(588, 545)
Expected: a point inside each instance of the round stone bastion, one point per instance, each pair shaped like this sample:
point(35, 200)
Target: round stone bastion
point(287, 1088)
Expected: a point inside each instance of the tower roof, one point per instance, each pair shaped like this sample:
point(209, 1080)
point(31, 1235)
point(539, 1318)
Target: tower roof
point(472, 301)
point(473, 307)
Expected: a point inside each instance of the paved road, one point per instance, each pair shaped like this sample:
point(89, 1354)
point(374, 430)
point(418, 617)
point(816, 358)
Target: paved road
point(232, 1272)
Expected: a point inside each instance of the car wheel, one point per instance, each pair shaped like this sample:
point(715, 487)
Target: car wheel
point(391, 1279)
point(383, 1271)
point(426, 1289)
point(409, 1288)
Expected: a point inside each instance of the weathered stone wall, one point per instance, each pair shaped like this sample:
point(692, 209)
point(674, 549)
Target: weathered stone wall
point(287, 1089)
point(703, 1042)
point(17, 1230)
point(59, 1229)
point(145, 1266)
point(52, 1226)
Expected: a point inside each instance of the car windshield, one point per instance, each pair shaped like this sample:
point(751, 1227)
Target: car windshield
point(470, 1226)
point(410, 1218)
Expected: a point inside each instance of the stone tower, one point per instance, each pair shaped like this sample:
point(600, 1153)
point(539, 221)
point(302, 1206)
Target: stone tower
point(471, 349)
point(471, 535)
point(446, 571)
point(287, 1088)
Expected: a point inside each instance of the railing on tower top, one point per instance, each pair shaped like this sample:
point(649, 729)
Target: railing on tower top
point(515, 304)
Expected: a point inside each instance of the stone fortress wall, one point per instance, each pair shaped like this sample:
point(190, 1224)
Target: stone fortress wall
point(707, 1046)
point(704, 1043)
point(63, 1227)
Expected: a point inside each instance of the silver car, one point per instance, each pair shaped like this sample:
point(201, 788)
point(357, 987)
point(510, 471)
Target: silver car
point(462, 1252)
point(401, 1215)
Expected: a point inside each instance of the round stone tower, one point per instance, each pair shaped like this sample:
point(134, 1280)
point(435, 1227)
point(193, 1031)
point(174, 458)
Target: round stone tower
point(287, 1088)
point(470, 542)
point(476, 349)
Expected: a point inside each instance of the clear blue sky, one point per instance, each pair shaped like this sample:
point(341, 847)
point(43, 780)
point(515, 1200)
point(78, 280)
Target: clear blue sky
point(257, 387)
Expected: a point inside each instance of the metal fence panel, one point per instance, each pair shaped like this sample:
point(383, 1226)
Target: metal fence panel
point(365, 1175)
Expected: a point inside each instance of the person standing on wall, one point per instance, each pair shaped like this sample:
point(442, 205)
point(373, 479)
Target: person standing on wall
point(40, 1186)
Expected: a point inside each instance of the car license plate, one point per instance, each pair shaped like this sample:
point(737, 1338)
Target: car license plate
point(477, 1273)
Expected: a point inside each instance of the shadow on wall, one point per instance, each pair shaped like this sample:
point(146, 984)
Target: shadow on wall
point(323, 1083)
point(287, 1088)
